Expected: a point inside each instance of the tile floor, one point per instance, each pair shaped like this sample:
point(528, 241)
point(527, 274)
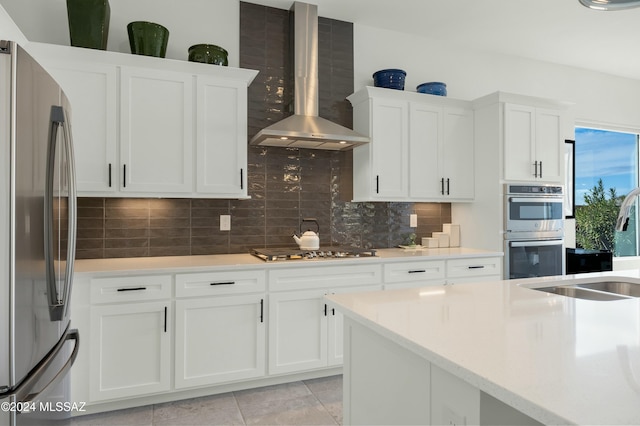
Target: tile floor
point(308, 402)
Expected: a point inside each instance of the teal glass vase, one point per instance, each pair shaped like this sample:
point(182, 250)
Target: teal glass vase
point(89, 23)
point(148, 38)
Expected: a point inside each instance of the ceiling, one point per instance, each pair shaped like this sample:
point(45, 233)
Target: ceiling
point(557, 31)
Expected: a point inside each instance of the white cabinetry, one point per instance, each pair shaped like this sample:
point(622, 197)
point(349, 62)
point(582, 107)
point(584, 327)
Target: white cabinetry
point(299, 320)
point(221, 126)
point(93, 92)
point(151, 337)
point(156, 131)
point(130, 336)
point(474, 270)
point(419, 273)
point(421, 149)
point(512, 133)
point(533, 143)
point(177, 128)
point(414, 274)
point(220, 327)
point(441, 159)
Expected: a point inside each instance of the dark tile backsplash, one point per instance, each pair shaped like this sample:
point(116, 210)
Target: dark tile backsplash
point(285, 185)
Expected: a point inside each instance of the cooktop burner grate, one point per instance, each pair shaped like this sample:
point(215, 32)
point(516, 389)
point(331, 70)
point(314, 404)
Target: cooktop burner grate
point(278, 254)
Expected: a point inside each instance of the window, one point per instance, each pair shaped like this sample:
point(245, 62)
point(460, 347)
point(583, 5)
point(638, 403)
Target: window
point(610, 157)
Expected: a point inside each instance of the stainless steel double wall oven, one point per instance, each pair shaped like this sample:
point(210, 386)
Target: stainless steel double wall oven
point(533, 230)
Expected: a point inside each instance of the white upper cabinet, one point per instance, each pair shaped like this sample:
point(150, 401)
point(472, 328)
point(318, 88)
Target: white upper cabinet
point(421, 149)
point(147, 126)
point(533, 143)
point(389, 120)
point(441, 149)
point(221, 123)
point(92, 91)
point(156, 131)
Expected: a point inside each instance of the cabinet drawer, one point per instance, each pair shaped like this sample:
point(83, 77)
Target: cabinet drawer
point(324, 277)
point(223, 282)
point(474, 267)
point(130, 289)
point(414, 271)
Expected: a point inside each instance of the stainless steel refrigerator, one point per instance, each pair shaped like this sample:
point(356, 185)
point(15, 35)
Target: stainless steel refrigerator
point(37, 243)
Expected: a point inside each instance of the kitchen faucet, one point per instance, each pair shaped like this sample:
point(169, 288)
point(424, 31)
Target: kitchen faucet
point(625, 209)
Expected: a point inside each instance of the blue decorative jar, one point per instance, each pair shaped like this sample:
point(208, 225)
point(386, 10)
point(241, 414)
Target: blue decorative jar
point(433, 88)
point(389, 79)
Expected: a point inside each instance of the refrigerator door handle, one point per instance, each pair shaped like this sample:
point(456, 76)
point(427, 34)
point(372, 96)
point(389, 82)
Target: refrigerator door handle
point(22, 391)
point(72, 217)
point(58, 302)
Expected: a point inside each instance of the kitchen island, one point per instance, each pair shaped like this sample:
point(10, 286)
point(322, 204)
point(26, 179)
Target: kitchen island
point(499, 353)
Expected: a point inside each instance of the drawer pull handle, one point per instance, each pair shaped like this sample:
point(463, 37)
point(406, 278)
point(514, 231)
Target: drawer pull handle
point(476, 267)
point(223, 283)
point(418, 271)
point(132, 289)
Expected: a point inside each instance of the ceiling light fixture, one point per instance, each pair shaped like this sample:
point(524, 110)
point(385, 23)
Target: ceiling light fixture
point(610, 4)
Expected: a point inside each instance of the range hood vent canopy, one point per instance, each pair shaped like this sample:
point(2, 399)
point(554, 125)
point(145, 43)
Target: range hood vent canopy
point(306, 129)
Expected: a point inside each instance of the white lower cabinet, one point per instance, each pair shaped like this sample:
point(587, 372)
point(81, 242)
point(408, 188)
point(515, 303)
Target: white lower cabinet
point(474, 270)
point(414, 274)
point(335, 327)
point(297, 331)
point(130, 336)
point(220, 327)
point(219, 339)
point(303, 331)
point(153, 335)
point(130, 348)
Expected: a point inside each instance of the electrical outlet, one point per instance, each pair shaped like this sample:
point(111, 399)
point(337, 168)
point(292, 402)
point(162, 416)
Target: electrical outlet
point(225, 222)
point(413, 220)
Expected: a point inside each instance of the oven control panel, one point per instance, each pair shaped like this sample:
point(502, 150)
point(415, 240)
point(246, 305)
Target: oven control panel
point(533, 189)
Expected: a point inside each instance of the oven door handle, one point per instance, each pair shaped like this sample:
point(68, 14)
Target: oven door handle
point(531, 243)
point(552, 199)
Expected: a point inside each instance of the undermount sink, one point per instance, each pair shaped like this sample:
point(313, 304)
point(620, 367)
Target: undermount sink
point(579, 292)
point(617, 287)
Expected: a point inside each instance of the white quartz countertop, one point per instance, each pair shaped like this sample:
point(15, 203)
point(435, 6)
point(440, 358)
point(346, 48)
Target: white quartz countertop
point(557, 359)
point(244, 261)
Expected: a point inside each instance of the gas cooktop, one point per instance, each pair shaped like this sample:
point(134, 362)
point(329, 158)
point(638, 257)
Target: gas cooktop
point(277, 254)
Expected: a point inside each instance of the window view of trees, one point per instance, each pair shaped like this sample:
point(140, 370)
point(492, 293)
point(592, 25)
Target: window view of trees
point(606, 170)
point(596, 219)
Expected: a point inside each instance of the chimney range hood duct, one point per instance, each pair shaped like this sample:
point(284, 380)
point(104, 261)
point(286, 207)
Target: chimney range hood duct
point(305, 129)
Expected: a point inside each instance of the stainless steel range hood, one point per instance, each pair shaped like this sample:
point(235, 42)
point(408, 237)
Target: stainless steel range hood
point(305, 129)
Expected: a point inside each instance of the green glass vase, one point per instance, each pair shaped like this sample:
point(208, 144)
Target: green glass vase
point(208, 54)
point(89, 23)
point(148, 38)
